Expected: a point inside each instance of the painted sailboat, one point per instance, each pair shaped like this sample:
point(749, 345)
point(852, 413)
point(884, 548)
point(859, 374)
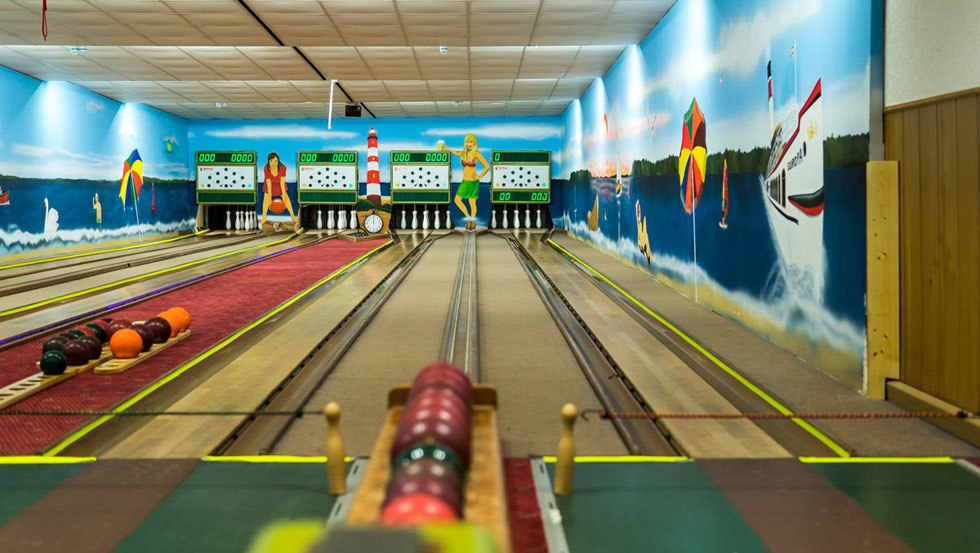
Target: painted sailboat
point(4, 196)
point(724, 197)
point(793, 190)
point(593, 216)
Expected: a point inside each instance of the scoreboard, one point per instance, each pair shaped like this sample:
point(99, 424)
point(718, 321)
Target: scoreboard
point(327, 177)
point(226, 177)
point(419, 177)
point(521, 177)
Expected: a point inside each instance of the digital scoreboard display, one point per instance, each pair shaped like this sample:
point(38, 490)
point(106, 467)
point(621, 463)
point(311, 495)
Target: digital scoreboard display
point(522, 177)
point(226, 177)
point(420, 177)
point(327, 177)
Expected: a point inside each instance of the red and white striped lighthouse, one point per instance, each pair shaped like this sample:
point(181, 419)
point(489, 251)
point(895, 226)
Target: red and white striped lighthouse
point(373, 174)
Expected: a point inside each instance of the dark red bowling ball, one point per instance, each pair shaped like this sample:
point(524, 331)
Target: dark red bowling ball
point(432, 429)
point(416, 509)
point(76, 352)
point(160, 327)
point(85, 330)
point(54, 344)
point(101, 323)
point(427, 466)
point(94, 346)
point(115, 325)
point(146, 334)
point(429, 485)
point(443, 375)
point(437, 396)
point(53, 362)
point(98, 331)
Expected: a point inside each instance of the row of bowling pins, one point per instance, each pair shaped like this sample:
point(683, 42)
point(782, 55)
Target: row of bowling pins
point(244, 220)
point(341, 222)
point(516, 219)
point(403, 224)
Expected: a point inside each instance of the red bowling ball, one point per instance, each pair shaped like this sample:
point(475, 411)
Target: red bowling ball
point(443, 375)
point(416, 509)
point(428, 485)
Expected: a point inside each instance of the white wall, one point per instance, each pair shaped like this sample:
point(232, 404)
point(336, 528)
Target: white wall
point(931, 48)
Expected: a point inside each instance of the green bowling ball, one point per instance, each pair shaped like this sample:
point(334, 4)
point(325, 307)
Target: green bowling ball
point(53, 363)
point(75, 333)
point(98, 330)
point(434, 450)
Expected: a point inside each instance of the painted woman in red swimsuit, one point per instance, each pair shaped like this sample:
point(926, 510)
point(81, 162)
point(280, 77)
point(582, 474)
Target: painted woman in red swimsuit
point(470, 187)
point(274, 184)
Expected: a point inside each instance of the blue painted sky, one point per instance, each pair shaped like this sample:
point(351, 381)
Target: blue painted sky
point(716, 51)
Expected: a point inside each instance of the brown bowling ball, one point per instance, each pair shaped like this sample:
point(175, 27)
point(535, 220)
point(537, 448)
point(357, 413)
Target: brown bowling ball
point(146, 334)
point(94, 346)
point(115, 325)
point(160, 327)
point(76, 352)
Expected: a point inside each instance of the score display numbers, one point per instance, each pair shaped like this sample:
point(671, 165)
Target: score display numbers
point(420, 177)
point(521, 177)
point(226, 177)
point(327, 177)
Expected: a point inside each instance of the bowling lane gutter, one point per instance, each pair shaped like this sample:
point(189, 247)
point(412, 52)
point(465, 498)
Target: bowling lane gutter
point(612, 387)
point(796, 435)
point(10, 341)
point(103, 266)
point(461, 341)
point(257, 434)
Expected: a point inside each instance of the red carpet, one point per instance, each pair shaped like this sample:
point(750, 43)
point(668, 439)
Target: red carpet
point(526, 530)
point(219, 307)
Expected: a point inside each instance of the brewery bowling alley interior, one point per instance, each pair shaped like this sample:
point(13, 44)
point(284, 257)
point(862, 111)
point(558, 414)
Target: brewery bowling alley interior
point(495, 276)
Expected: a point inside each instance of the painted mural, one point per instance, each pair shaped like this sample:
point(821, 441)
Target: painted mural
point(77, 169)
point(725, 154)
point(468, 141)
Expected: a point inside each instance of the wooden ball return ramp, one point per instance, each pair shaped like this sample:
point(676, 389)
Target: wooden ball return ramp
point(484, 499)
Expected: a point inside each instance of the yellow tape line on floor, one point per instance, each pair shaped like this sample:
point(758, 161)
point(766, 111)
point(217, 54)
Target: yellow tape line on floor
point(812, 430)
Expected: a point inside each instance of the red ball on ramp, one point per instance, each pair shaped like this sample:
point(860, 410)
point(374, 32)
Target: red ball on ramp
point(277, 206)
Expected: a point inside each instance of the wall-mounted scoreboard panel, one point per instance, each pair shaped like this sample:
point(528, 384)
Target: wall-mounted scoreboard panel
point(522, 177)
point(327, 177)
point(420, 177)
point(226, 177)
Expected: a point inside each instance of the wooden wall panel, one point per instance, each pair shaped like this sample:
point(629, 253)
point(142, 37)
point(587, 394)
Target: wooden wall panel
point(937, 145)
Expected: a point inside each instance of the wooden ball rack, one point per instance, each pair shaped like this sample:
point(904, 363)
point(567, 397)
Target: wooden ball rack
point(484, 498)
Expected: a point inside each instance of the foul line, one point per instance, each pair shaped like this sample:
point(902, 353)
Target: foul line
point(96, 252)
point(136, 278)
point(812, 430)
point(77, 435)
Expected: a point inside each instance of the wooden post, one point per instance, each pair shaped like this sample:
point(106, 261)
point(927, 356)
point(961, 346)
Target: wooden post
point(565, 464)
point(883, 276)
point(336, 466)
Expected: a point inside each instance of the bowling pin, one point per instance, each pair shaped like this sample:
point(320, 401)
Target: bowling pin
point(527, 216)
point(539, 217)
point(425, 219)
point(449, 222)
point(403, 224)
point(329, 218)
point(227, 219)
point(436, 218)
point(504, 225)
point(342, 220)
point(517, 216)
point(415, 217)
point(238, 219)
point(353, 219)
point(319, 218)
point(336, 466)
point(493, 218)
point(565, 460)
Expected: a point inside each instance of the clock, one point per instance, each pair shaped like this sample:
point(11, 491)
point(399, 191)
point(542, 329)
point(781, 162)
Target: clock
point(373, 223)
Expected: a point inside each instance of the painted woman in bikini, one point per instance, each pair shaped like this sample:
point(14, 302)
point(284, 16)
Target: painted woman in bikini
point(470, 187)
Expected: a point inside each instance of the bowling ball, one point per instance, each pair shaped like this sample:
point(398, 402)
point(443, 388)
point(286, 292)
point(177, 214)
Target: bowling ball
point(277, 206)
point(429, 485)
point(427, 466)
point(435, 451)
point(115, 325)
point(183, 316)
point(98, 330)
point(126, 343)
point(416, 509)
point(160, 328)
point(432, 429)
point(94, 346)
point(146, 334)
point(76, 352)
point(53, 362)
point(75, 333)
point(101, 323)
point(173, 320)
point(444, 375)
point(54, 344)
point(85, 330)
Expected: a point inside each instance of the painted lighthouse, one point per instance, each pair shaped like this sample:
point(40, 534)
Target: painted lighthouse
point(372, 213)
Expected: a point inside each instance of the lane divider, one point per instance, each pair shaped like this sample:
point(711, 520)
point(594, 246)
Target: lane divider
point(623, 459)
point(41, 460)
point(77, 435)
point(129, 280)
point(107, 250)
point(773, 402)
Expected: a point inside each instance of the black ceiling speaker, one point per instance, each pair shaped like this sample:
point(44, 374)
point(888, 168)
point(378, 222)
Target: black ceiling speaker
point(352, 110)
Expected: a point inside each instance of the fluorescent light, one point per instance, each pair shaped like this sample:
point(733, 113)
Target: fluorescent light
point(443, 50)
point(77, 50)
point(221, 105)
